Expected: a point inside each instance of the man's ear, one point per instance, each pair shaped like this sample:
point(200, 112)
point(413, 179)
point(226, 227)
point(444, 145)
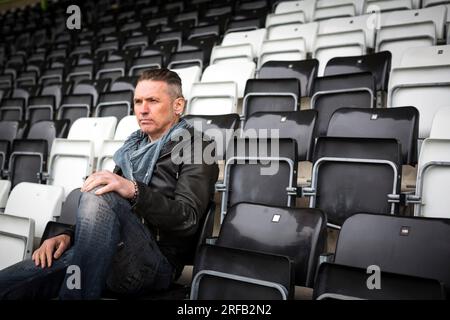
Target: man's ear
point(178, 106)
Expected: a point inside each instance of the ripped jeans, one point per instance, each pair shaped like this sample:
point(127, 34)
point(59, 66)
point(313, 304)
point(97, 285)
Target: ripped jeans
point(113, 249)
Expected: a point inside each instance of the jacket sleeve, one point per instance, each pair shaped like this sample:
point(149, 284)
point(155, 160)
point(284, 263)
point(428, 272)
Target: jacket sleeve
point(193, 191)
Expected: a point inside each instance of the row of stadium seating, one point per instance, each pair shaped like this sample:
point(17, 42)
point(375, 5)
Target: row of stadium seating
point(357, 88)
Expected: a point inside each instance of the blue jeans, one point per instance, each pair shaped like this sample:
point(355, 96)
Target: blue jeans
point(113, 249)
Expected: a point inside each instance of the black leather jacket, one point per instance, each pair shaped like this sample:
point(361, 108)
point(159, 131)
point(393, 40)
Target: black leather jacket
point(176, 200)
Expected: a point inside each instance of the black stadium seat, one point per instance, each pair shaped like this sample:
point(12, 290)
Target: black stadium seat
point(220, 128)
point(41, 108)
point(12, 109)
point(403, 247)
point(341, 91)
point(10, 130)
point(268, 95)
point(75, 106)
point(305, 71)
point(262, 171)
point(379, 64)
point(49, 130)
point(352, 175)
point(298, 125)
point(298, 233)
point(117, 103)
point(400, 123)
point(27, 161)
point(215, 278)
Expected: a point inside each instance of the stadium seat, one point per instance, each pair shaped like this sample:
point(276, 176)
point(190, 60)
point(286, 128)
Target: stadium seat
point(232, 53)
point(270, 95)
point(81, 72)
point(399, 123)
point(69, 163)
point(145, 62)
point(111, 70)
point(397, 246)
point(49, 130)
point(40, 108)
point(439, 127)
point(105, 158)
point(377, 6)
point(377, 63)
point(279, 231)
point(12, 109)
point(188, 58)
point(350, 24)
point(27, 161)
point(16, 239)
point(237, 71)
point(306, 6)
point(408, 29)
point(189, 76)
point(424, 85)
point(331, 93)
point(70, 207)
point(95, 130)
point(117, 104)
point(352, 175)
point(92, 87)
point(339, 44)
point(253, 167)
point(306, 31)
point(430, 198)
point(43, 204)
point(215, 278)
point(293, 49)
point(125, 127)
point(75, 106)
point(325, 10)
point(430, 3)
point(254, 38)
point(213, 98)
point(279, 19)
point(298, 125)
point(305, 71)
point(220, 128)
point(124, 83)
point(10, 130)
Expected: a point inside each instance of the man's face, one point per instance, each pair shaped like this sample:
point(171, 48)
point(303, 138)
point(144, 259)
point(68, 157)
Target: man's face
point(155, 110)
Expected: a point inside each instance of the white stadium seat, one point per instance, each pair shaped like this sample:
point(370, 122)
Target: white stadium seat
point(126, 126)
point(237, 71)
point(105, 160)
point(93, 129)
point(70, 162)
point(189, 76)
point(16, 239)
point(213, 98)
point(433, 179)
point(39, 202)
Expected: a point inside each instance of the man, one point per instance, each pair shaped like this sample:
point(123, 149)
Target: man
point(135, 227)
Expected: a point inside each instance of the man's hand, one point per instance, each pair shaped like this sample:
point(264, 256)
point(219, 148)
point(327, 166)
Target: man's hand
point(110, 182)
point(51, 249)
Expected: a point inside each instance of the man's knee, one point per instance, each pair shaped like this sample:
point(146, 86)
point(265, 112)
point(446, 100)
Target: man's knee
point(91, 204)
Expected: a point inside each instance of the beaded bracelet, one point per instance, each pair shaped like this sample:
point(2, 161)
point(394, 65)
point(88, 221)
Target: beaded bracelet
point(136, 193)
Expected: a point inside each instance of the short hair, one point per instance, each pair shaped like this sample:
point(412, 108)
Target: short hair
point(171, 78)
